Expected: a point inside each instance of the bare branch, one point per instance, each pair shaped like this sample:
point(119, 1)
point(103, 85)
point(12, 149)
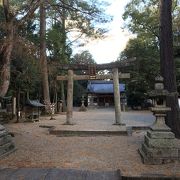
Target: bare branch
point(69, 7)
point(6, 10)
point(74, 40)
point(32, 7)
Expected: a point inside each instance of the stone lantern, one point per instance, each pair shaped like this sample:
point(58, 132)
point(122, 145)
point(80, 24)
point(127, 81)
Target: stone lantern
point(159, 144)
point(159, 102)
point(52, 111)
point(83, 107)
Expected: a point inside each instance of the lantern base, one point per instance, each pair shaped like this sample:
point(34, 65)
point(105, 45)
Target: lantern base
point(159, 147)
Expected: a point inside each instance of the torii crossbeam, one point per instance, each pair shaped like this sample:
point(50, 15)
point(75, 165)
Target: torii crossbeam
point(96, 77)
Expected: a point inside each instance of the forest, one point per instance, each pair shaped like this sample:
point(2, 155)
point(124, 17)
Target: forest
point(44, 32)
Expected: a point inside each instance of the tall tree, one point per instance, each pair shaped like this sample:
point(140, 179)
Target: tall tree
point(143, 69)
point(78, 18)
point(85, 57)
point(6, 49)
point(168, 65)
point(80, 87)
point(14, 19)
point(43, 60)
point(64, 57)
point(142, 18)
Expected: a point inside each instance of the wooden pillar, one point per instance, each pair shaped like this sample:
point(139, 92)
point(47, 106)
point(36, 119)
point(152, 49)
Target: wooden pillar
point(14, 106)
point(117, 97)
point(18, 112)
point(69, 98)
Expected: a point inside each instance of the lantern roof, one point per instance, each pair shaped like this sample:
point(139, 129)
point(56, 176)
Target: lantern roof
point(158, 93)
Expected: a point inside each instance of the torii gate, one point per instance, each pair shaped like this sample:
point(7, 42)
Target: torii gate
point(92, 75)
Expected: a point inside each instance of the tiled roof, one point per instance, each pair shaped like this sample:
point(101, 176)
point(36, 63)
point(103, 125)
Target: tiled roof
point(34, 103)
point(103, 87)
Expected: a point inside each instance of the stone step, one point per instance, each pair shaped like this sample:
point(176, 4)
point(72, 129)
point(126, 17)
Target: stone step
point(56, 174)
point(6, 144)
point(160, 135)
point(73, 174)
point(66, 133)
point(3, 118)
point(159, 143)
point(5, 139)
point(5, 148)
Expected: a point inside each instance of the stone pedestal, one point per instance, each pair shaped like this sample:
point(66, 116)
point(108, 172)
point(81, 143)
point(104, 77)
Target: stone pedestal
point(52, 110)
point(83, 107)
point(159, 146)
point(6, 144)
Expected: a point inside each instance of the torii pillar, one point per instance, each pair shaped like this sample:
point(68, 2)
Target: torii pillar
point(69, 119)
point(117, 103)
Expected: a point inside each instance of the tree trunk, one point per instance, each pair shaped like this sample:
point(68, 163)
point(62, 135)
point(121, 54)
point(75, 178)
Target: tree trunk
point(63, 97)
point(5, 60)
point(63, 56)
point(63, 31)
point(168, 65)
point(18, 96)
point(43, 60)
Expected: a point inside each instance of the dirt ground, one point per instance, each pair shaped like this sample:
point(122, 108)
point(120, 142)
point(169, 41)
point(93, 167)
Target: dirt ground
point(37, 148)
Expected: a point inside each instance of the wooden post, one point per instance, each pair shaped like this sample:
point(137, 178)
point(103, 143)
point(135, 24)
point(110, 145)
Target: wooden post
point(14, 106)
point(117, 97)
point(18, 106)
point(69, 98)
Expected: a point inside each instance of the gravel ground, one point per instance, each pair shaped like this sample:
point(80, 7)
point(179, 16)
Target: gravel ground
point(36, 148)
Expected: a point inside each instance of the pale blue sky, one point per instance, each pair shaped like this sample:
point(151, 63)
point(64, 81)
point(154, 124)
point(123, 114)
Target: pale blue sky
point(108, 49)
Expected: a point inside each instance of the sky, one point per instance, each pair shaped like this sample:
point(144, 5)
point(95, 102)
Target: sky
point(108, 49)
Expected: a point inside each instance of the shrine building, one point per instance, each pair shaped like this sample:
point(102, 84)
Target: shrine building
point(101, 93)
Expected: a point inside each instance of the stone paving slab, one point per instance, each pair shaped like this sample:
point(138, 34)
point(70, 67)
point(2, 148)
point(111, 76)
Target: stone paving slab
point(57, 174)
point(105, 118)
point(99, 122)
point(72, 174)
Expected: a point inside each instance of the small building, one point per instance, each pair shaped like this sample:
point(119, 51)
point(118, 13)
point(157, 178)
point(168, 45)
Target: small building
point(101, 93)
point(33, 109)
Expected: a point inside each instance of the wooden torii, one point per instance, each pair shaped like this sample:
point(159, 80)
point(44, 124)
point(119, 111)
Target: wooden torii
point(92, 69)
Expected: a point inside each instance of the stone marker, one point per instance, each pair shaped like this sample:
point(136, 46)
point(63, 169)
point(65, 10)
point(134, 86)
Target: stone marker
point(83, 107)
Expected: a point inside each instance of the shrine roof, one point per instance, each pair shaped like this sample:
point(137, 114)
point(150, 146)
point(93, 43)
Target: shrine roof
point(34, 103)
point(103, 87)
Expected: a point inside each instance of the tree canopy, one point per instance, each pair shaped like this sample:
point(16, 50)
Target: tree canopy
point(67, 22)
point(142, 18)
point(151, 22)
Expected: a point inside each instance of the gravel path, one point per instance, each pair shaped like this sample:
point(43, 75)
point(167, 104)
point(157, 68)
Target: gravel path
point(36, 148)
